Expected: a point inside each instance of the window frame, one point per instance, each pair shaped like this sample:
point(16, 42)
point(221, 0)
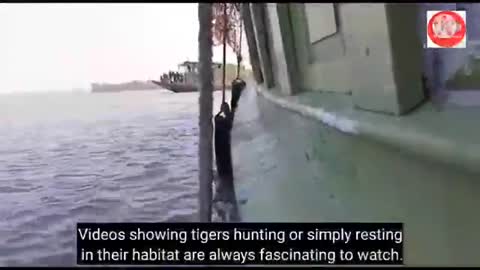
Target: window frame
point(397, 96)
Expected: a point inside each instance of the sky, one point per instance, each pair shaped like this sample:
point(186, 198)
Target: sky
point(51, 47)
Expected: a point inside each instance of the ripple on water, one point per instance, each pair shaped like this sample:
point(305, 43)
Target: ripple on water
point(153, 165)
point(22, 238)
point(50, 200)
point(125, 167)
point(88, 210)
point(20, 215)
point(134, 164)
point(181, 180)
point(45, 221)
point(8, 189)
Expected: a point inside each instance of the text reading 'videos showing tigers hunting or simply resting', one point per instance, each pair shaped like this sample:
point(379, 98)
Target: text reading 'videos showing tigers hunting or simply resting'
point(240, 243)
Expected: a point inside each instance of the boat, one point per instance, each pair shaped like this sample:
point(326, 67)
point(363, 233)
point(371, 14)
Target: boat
point(337, 126)
point(188, 81)
point(176, 87)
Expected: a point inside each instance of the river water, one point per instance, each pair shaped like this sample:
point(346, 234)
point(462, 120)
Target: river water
point(81, 157)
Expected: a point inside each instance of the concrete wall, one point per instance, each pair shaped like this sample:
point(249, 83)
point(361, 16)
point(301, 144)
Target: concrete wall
point(357, 48)
point(292, 169)
point(336, 48)
point(320, 46)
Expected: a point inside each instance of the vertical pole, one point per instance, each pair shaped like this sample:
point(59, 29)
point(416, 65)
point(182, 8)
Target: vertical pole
point(205, 149)
point(238, 8)
point(225, 33)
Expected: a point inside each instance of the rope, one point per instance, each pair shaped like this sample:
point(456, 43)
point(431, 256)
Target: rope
point(225, 31)
point(224, 119)
point(239, 55)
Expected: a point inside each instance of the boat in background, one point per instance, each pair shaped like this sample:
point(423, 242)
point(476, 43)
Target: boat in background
point(186, 78)
point(176, 87)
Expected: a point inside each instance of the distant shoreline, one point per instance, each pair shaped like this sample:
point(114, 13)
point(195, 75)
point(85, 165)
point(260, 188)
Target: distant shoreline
point(121, 87)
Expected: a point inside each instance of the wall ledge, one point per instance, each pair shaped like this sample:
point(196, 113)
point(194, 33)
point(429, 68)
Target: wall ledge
point(450, 137)
point(339, 122)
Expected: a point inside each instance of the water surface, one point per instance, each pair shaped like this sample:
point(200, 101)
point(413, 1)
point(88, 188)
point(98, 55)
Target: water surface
point(81, 157)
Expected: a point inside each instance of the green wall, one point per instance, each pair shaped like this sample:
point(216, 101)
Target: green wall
point(326, 156)
point(369, 50)
point(291, 168)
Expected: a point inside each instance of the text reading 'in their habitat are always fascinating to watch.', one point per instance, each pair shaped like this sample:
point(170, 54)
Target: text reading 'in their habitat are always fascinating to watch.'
point(239, 243)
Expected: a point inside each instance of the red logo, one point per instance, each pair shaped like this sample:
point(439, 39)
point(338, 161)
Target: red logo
point(447, 28)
